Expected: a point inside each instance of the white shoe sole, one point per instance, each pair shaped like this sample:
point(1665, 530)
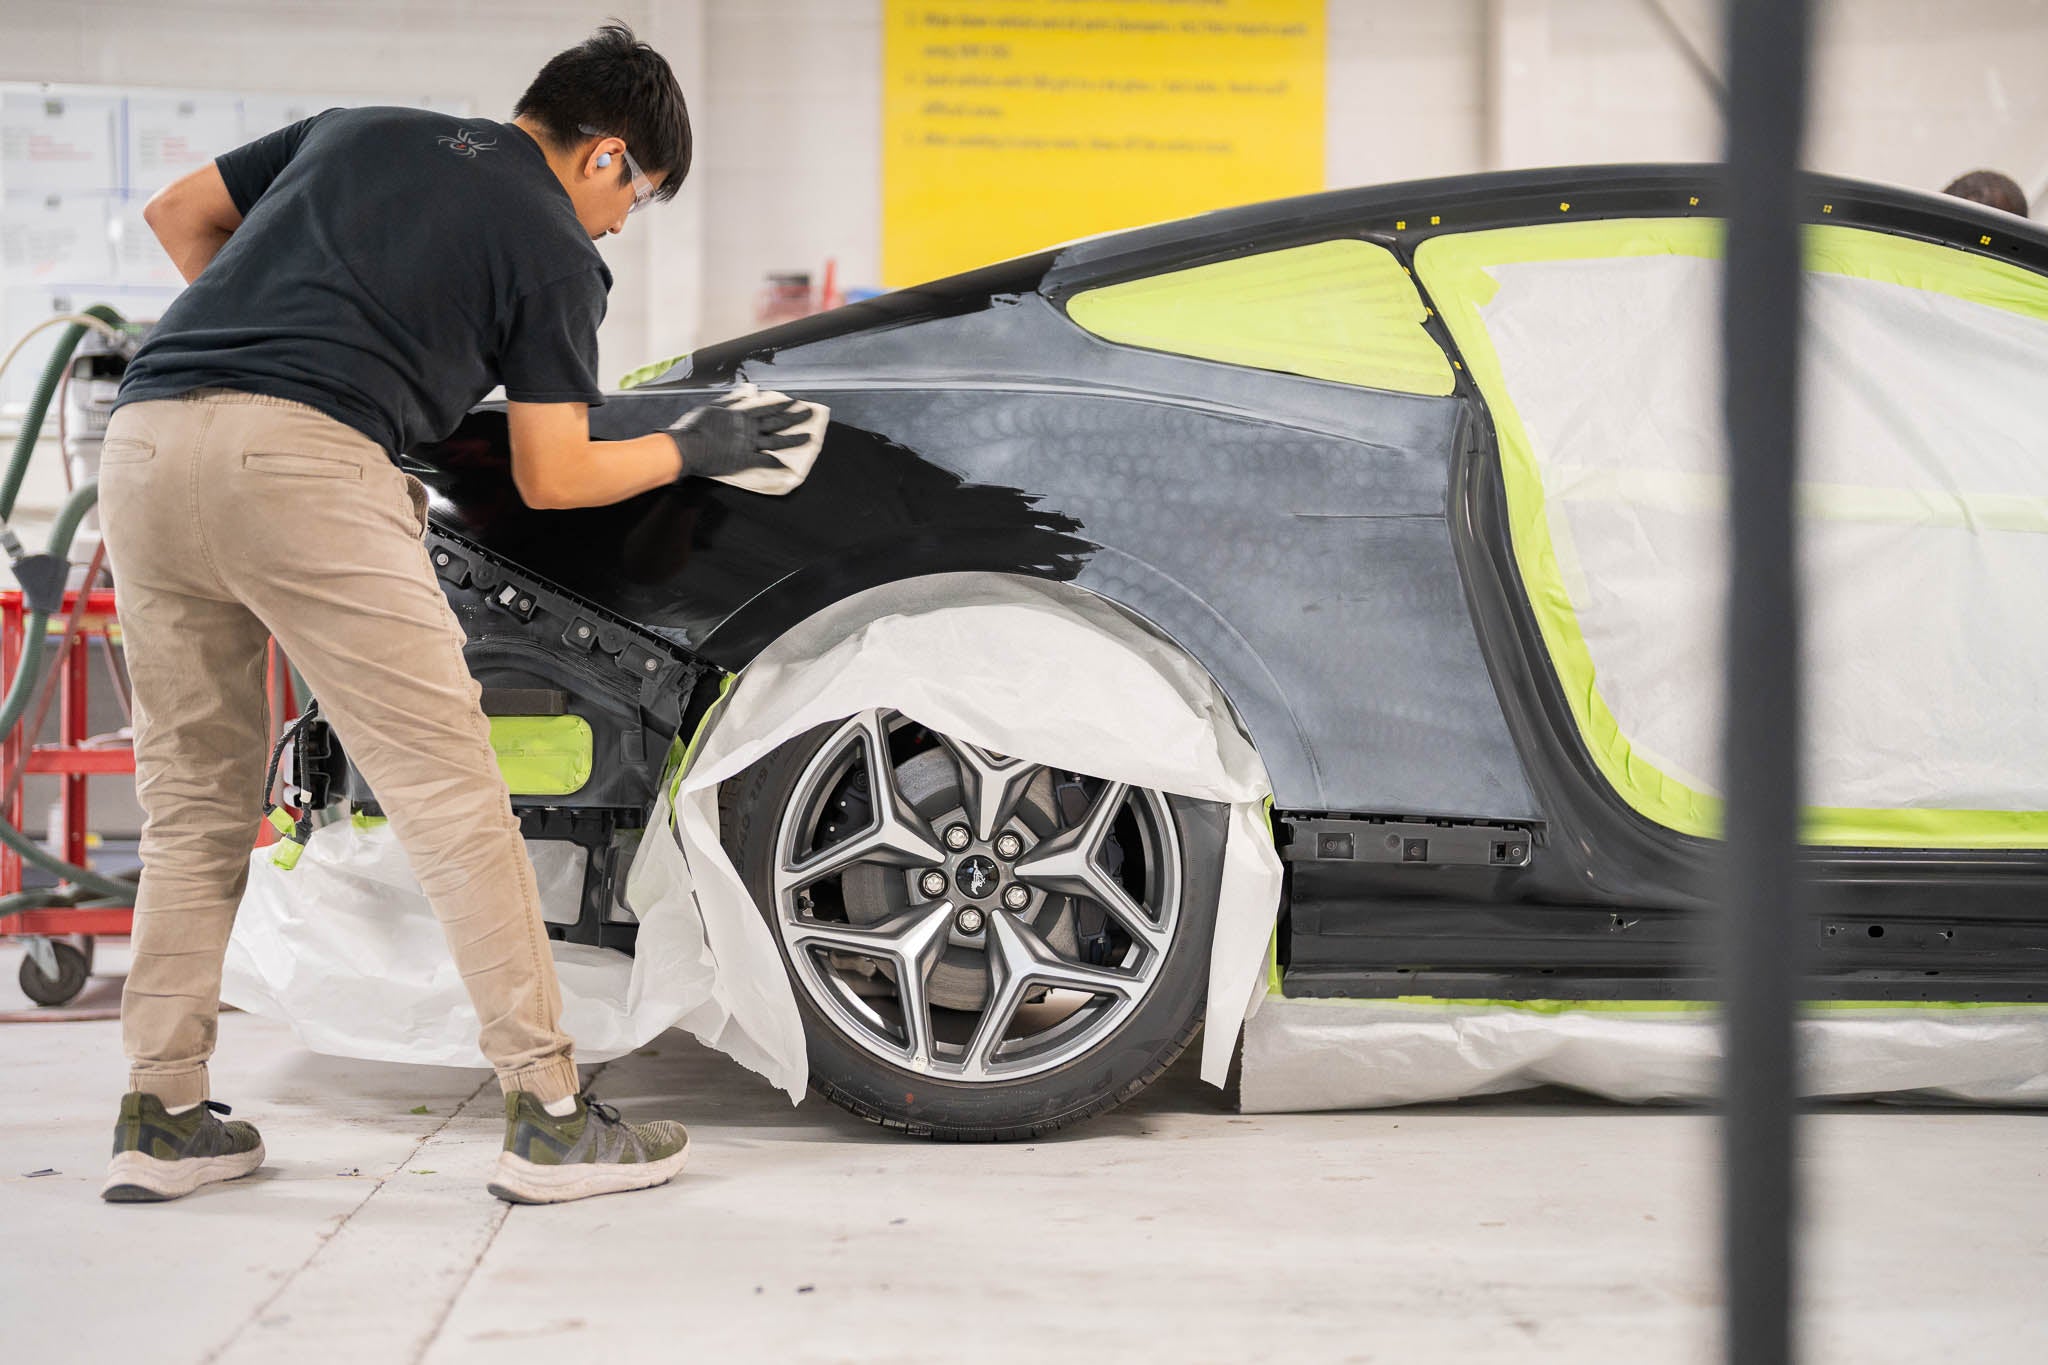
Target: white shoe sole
point(137, 1178)
point(519, 1181)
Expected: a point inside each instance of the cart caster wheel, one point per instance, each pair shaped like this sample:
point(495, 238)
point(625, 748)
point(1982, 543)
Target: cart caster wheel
point(73, 968)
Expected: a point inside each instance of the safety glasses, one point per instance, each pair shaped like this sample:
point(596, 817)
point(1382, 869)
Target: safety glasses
point(643, 188)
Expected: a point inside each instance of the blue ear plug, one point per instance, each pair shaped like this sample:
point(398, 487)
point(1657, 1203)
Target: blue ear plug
point(604, 158)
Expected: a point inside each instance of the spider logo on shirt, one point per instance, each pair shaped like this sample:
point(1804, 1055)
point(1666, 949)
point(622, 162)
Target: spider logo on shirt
point(467, 143)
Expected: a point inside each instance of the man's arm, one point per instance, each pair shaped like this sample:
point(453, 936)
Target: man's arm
point(556, 464)
point(193, 217)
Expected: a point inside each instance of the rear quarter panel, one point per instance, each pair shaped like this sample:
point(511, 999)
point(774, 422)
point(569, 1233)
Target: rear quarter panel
point(1289, 533)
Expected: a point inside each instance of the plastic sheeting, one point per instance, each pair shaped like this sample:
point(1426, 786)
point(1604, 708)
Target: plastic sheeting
point(1923, 502)
point(346, 949)
point(1359, 1054)
point(1012, 665)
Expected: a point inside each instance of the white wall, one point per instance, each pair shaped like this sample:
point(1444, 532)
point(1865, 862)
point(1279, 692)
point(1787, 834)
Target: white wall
point(785, 95)
point(670, 303)
point(1615, 86)
point(1908, 91)
point(792, 131)
point(1405, 91)
point(1918, 93)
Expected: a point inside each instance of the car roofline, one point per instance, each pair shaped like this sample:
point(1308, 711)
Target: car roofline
point(1399, 215)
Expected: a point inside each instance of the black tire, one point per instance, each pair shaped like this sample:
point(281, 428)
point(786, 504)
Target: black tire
point(73, 970)
point(1118, 1067)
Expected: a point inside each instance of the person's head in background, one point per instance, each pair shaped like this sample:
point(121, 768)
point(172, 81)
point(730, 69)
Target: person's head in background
point(1990, 187)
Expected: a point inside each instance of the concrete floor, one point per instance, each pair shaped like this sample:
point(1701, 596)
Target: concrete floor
point(1533, 1229)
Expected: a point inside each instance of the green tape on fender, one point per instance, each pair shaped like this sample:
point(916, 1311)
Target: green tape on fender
point(679, 763)
point(633, 379)
point(542, 755)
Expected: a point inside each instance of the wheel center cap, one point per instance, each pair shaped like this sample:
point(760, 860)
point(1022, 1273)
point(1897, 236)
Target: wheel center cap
point(977, 877)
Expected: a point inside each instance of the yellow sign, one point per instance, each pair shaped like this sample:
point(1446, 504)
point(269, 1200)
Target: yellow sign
point(1012, 125)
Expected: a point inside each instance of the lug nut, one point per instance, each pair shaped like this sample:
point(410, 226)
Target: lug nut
point(969, 921)
point(1016, 897)
point(933, 883)
point(958, 837)
point(1009, 846)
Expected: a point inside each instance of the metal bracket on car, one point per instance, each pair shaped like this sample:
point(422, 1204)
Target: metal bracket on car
point(662, 670)
point(595, 831)
point(1418, 840)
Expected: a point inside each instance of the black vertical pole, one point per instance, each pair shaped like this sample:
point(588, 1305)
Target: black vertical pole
point(1762, 953)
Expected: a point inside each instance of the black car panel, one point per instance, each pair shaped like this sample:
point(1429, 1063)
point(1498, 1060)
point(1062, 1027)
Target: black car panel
point(1336, 557)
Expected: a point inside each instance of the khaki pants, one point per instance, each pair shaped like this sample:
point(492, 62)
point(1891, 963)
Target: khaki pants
point(231, 517)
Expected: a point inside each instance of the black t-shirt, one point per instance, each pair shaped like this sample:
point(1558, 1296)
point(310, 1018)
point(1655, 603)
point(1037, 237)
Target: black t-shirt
point(392, 267)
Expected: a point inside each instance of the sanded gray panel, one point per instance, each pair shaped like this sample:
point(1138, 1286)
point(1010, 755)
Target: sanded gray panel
point(1289, 532)
point(1312, 574)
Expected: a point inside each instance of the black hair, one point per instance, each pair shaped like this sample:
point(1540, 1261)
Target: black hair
point(619, 85)
point(1990, 187)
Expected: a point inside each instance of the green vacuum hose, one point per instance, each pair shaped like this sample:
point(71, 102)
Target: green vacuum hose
point(39, 404)
point(29, 673)
point(26, 677)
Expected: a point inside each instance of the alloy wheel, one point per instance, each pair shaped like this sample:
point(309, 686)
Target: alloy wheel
point(968, 915)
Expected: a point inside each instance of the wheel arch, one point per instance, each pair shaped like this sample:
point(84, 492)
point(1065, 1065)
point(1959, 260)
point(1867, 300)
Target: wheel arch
point(1153, 602)
point(824, 667)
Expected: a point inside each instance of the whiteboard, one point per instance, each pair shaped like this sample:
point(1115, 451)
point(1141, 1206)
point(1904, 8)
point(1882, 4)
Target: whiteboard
point(78, 162)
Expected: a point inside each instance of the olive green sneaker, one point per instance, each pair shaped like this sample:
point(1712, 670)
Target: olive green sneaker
point(160, 1156)
point(549, 1160)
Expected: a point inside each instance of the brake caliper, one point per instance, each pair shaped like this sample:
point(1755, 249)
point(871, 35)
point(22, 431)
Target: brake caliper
point(1091, 921)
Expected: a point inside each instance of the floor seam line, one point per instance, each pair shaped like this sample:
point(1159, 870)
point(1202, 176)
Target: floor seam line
point(448, 1309)
point(256, 1314)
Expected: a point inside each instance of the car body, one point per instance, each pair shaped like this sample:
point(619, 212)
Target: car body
point(1339, 558)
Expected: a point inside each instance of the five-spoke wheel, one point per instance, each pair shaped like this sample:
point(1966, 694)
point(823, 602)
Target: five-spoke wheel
point(965, 914)
point(968, 922)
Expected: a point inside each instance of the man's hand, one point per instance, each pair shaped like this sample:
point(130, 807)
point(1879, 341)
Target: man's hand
point(761, 441)
point(556, 464)
point(193, 217)
point(726, 438)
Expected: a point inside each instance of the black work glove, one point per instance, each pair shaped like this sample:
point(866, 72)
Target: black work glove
point(762, 441)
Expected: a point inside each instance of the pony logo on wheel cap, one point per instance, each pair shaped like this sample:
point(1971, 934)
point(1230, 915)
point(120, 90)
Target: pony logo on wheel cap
point(976, 877)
